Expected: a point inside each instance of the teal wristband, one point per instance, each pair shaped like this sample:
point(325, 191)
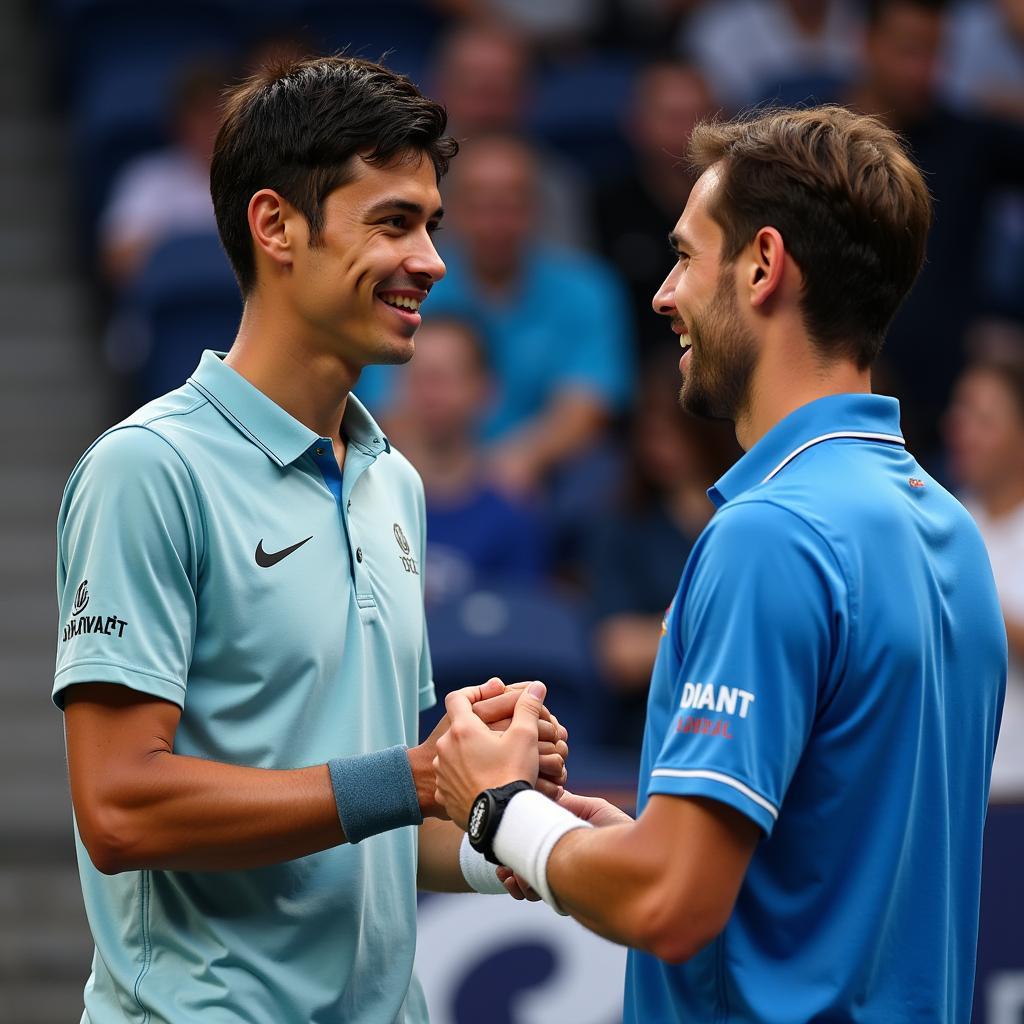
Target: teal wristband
point(374, 792)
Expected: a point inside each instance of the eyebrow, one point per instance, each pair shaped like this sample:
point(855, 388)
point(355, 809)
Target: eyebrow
point(677, 242)
point(394, 203)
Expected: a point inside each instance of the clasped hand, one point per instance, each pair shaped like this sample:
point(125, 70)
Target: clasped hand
point(492, 708)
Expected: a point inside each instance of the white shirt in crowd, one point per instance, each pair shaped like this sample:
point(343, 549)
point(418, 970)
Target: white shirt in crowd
point(158, 195)
point(1004, 538)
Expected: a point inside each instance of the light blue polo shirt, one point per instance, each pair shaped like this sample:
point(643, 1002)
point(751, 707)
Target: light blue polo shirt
point(833, 667)
point(210, 553)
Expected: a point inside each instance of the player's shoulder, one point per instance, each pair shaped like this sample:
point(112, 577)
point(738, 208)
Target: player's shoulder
point(142, 449)
point(755, 525)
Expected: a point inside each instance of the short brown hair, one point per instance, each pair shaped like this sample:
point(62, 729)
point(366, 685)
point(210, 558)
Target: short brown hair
point(295, 125)
point(850, 204)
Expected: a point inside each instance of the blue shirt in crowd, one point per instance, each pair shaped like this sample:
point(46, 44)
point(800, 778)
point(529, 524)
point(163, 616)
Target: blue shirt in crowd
point(833, 668)
point(566, 326)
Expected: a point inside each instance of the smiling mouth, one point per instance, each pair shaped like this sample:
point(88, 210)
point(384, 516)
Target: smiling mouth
point(408, 303)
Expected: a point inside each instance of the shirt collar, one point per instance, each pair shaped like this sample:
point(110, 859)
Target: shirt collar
point(870, 417)
point(270, 427)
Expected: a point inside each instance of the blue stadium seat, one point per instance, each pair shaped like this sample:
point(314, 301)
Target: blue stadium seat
point(517, 633)
point(401, 31)
point(579, 108)
point(185, 300)
point(120, 61)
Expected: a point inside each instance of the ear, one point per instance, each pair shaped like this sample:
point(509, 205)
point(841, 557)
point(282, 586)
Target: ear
point(765, 267)
point(272, 227)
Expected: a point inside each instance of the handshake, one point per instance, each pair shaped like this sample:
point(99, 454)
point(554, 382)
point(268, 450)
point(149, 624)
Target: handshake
point(492, 735)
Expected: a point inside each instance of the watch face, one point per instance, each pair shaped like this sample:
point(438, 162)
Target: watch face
point(477, 818)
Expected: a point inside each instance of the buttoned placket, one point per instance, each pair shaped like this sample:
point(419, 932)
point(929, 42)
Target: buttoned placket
point(341, 485)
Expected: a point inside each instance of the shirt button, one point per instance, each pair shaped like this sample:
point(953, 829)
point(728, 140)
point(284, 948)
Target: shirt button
point(359, 554)
point(319, 451)
point(349, 505)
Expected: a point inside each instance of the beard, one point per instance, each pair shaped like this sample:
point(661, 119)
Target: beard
point(722, 357)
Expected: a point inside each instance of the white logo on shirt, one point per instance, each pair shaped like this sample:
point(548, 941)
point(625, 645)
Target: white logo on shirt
point(723, 699)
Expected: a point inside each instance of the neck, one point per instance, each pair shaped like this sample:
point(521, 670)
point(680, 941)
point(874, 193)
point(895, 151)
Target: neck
point(1003, 496)
point(790, 375)
point(307, 381)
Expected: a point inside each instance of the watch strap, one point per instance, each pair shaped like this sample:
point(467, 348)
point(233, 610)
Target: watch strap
point(491, 804)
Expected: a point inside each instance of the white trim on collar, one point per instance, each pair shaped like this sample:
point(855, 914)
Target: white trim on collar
point(862, 435)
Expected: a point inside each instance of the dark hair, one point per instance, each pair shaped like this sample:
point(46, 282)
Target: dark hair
point(849, 202)
point(295, 125)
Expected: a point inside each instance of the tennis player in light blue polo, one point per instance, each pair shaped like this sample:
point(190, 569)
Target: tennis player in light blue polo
point(242, 655)
point(828, 686)
point(280, 606)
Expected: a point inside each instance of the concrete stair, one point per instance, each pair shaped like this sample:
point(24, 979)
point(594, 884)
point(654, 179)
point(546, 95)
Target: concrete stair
point(53, 401)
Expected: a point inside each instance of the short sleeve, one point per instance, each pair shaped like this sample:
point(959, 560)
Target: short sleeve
point(129, 546)
point(759, 630)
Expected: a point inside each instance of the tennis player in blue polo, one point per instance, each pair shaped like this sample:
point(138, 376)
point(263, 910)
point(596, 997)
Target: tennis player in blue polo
point(826, 698)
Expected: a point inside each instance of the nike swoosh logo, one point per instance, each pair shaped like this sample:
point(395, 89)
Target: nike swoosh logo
point(268, 558)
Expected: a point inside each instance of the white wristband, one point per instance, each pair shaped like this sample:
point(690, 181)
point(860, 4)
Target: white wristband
point(529, 829)
point(478, 871)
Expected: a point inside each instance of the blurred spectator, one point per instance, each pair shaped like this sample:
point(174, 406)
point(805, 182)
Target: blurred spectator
point(476, 536)
point(984, 67)
point(483, 76)
point(634, 214)
point(554, 322)
point(167, 192)
point(755, 50)
point(965, 159)
point(637, 549)
point(545, 24)
point(984, 62)
point(986, 440)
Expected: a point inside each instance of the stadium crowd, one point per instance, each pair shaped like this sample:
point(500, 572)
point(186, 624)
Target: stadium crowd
point(564, 485)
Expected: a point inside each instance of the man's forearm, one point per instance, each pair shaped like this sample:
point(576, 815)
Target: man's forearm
point(438, 868)
point(189, 814)
point(602, 879)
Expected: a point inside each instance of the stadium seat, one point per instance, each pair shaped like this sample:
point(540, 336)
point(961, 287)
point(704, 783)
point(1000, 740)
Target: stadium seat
point(184, 301)
point(517, 633)
point(579, 108)
point(402, 31)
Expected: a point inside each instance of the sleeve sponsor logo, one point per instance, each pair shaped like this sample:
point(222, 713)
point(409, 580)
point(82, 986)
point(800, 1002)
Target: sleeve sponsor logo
point(723, 700)
point(78, 624)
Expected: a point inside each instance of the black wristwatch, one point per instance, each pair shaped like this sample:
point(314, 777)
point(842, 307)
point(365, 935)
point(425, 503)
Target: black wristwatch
point(486, 813)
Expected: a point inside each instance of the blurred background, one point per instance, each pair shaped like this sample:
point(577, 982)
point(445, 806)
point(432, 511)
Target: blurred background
point(564, 486)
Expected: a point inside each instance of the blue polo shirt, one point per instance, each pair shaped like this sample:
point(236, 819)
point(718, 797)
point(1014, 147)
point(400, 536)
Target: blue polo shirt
point(211, 554)
point(833, 668)
point(566, 326)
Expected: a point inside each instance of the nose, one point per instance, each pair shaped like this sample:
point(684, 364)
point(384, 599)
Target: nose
point(425, 261)
point(664, 301)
